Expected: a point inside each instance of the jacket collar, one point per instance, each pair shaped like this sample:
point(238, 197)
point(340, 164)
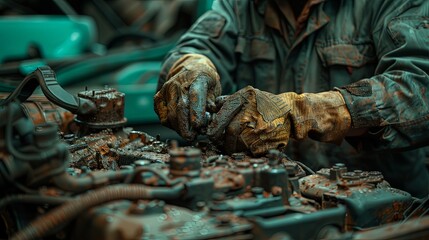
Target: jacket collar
point(311, 19)
point(275, 10)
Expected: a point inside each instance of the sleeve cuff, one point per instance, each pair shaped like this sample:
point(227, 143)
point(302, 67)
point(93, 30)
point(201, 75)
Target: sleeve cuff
point(360, 101)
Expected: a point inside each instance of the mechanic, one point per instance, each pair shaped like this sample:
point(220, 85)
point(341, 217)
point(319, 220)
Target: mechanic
point(304, 75)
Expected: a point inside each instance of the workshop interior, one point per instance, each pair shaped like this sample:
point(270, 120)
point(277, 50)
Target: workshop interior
point(84, 155)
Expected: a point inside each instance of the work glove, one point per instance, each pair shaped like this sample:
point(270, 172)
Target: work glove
point(259, 121)
point(190, 91)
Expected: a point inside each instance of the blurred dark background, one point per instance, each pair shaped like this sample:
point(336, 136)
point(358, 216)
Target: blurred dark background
point(96, 43)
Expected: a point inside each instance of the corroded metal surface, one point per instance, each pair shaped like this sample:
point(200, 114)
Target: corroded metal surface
point(110, 109)
point(108, 150)
point(192, 192)
point(157, 220)
point(369, 199)
point(40, 110)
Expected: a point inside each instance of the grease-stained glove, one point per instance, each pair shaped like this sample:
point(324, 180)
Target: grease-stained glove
point(190, 91)
point(259, 121)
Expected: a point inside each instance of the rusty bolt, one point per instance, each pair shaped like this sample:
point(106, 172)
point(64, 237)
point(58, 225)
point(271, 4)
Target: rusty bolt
point(243, 164)
point(218, 196)
point(256, 161)
point(185, 161)
point(173, 144)
point(126, 167)
point(273, 157)
point(223, 219)
point(200, 205)
point(141, 163)
point(238, 156)
point(257, 191)
point(276, 191)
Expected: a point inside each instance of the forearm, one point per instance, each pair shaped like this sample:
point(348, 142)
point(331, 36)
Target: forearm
point(393, 106)
point(393, 103)
point(214, 35)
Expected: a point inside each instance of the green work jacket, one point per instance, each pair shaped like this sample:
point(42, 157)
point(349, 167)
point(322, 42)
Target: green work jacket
point(375, 52)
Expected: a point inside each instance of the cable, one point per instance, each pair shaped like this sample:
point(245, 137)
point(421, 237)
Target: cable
point(424, 201)
point(424, 213)
point(299, 163)
point(70, 210)
point(31, 157)
point(68, 183)
point(45, 78)
point(305, 167)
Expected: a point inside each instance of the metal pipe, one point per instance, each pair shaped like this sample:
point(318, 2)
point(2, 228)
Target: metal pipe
point(70, 183)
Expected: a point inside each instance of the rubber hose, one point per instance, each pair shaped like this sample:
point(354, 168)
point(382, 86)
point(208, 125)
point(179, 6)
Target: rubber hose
point(13, 108)
point(70, 210)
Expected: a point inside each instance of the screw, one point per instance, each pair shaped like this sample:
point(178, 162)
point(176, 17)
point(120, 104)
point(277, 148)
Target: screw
point(257, 191)
point(141, 163)
point(243, 164)
point(340, 165)
point(218, 196)
point(238, 156)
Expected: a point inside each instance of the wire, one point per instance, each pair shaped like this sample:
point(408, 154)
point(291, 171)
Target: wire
point(305, 167)
point(424, 213)
point(39, 156)
point(299, 163)
point(159, 174)
point(424, 201)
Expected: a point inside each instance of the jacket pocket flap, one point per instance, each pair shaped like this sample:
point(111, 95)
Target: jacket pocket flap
point(346, 54)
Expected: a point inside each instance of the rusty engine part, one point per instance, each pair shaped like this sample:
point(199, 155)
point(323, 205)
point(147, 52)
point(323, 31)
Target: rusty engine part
point(44, 77)
point(40, 110)
point(158, 220)
point(106, 181)
point(110, 109)
point(370, 201)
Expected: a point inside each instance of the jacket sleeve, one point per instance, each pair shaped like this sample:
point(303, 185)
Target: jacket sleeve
point(214, 35)
point(393, 103)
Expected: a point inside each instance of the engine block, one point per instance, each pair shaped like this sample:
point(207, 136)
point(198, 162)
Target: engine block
point(94, 178)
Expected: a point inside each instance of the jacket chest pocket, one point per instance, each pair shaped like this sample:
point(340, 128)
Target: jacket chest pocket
point(347, 63)
point(256, 64)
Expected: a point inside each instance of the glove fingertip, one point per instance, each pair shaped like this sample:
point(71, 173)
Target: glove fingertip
point(211, 105)
point(212, 132)
point(189, 136)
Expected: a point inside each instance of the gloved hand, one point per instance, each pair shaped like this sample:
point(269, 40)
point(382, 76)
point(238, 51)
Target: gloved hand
point(259, 121)
point(190, 91)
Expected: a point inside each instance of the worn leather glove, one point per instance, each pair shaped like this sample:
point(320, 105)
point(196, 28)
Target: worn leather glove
point(259, 121)
point(190, 91)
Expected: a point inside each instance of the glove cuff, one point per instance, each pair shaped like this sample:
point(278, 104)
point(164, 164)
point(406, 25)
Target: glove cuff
point(321, 116)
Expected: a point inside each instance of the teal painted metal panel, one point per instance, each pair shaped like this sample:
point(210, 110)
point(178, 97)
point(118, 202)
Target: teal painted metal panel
point(56, 37)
